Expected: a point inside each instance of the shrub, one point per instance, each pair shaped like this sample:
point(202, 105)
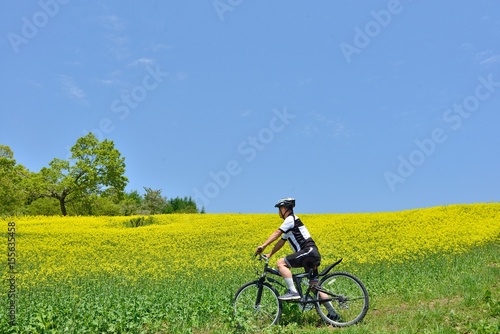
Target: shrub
point(140, 221)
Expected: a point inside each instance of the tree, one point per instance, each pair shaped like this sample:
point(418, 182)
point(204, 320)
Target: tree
point(181, 205)
point(153, 201)
point(131, 203)
point(43, 207)
point(105, 206)
point(12, 179)
point(93, 168)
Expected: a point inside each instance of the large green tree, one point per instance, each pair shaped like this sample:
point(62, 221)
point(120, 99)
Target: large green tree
point(12, 177)
point(94, 167)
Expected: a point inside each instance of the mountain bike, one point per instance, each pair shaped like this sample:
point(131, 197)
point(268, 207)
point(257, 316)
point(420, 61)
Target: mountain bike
point(257, 306)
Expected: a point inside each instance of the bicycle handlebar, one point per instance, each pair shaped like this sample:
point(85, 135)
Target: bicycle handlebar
point(263, 257)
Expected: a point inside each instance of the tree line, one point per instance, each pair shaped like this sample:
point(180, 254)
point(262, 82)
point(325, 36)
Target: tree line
point(91, 181)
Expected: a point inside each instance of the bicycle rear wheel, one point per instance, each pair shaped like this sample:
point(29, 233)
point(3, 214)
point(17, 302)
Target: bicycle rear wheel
point(349, 299)
point(255, 315)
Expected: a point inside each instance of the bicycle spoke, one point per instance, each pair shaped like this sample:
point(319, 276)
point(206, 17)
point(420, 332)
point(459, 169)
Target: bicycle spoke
point(345, 300)
point(252, 316)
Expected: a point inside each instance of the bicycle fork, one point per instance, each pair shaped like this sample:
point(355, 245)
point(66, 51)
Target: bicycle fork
point(260, 288)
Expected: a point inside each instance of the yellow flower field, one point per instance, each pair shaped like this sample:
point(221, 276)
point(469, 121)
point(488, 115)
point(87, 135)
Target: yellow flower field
point(64, 248)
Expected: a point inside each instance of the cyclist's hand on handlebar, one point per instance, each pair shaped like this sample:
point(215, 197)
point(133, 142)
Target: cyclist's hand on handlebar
point(259, 250)
point(263, 257)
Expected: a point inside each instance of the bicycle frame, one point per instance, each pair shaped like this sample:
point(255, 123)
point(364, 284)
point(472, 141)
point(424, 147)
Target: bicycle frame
point(297, 279)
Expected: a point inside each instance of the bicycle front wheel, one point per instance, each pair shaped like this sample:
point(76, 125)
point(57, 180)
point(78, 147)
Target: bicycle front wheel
point(256, 306)
point(347, 299)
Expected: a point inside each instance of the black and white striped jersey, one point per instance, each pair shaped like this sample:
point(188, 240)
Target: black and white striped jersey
point(296, 233)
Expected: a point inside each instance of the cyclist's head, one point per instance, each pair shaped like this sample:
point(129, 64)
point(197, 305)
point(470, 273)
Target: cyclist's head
point(285, 206)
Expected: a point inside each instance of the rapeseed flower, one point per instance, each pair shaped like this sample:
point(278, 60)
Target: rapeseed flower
point(50, 249)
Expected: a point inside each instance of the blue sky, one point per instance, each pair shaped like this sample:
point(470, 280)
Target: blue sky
point(348, 107)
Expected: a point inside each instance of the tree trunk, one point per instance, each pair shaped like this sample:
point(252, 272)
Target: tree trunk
point(62, 203)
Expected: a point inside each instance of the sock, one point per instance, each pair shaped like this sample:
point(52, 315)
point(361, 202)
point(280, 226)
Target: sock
point(290, 285)
point(330, 308)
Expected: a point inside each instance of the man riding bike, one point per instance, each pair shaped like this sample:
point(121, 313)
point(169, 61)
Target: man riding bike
point(305, 254)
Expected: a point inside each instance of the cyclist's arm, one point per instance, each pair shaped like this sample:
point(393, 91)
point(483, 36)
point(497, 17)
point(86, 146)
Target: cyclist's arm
point(276, 234)
point(277, 247)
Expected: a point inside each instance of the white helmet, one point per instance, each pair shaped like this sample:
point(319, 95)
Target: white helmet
point(287, 202)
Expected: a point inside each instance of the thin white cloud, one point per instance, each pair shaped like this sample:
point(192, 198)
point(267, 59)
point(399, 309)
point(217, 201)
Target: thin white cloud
point(114, 79)
point(245, 113)
point(143, 61)
point(495, 59)
point(339, 130)
point(309, 131)
point(74, 63)
point(181, 76)
point(305, 82)
point(410, 110)
point(466, 47)
point(107, 81)
point(322, 124)
point(70, 87)
point(160, 46)
point(487, 58)
point(399, 63)
point(118, 45)
point(112, 22)
point(35, 84)
point(113, 29)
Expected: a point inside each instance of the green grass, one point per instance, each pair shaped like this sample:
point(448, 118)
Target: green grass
point(440, 294)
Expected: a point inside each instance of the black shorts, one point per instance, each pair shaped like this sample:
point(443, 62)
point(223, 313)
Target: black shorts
point(308, 258)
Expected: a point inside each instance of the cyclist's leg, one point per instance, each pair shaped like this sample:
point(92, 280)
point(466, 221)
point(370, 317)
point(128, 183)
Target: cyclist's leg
point(311, 264)
point(328, 304)
point(284, 268)
point(332, 314)
point(286, 273)
point(295, 260)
